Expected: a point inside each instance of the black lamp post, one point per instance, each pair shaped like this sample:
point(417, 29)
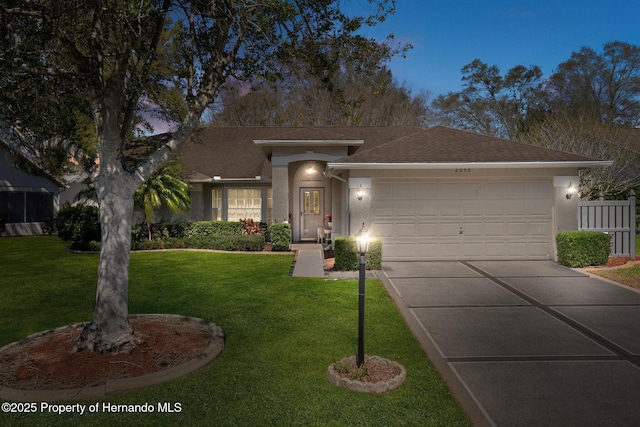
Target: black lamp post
point(362, 246)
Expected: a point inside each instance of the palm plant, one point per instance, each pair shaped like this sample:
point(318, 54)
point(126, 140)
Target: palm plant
point(164, 188)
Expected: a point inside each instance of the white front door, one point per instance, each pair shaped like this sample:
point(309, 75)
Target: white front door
point(311, 211)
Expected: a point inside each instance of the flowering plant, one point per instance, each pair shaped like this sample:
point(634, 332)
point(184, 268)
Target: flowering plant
point(327, 218)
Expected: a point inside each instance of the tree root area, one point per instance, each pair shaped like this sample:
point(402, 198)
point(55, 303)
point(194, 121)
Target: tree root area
point(48, 362)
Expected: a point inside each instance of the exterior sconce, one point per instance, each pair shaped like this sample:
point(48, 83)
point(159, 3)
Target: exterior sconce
point(360, 193)
point(310, 169)
point(571, 189)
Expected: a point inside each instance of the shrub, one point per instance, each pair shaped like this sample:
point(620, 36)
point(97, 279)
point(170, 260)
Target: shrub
point(347, 257)
point(227, 243)
point(251, 228)
point(161, 231)
point(215, 228)
point(48, 226)
point(92, 246)
point(265, 231)
point(78, 223)
point(280, 236)
point(581, 248)
point(221, 243)
point(169, 243)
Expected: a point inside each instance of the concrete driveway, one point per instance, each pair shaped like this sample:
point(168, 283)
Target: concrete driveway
point(526, 343)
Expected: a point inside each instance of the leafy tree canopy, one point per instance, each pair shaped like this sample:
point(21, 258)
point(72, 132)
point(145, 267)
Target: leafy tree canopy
point(590, 106)
point(87, 75)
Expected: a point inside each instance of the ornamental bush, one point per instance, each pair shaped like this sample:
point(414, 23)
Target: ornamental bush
point(227, 243)
point(280, 236)
point(220, 243)
point(160, 231)
point(78, 223)
point(215, 228)
point(578, 249)
point(347, 257)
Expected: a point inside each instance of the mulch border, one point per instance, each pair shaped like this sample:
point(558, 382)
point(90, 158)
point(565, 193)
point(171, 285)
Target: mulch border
point(213, 350)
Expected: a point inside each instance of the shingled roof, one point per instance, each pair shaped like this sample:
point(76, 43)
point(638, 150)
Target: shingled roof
point(231, 152)
point(442, 144)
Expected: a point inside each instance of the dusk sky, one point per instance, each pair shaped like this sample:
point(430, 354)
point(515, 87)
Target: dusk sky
point(447, 35)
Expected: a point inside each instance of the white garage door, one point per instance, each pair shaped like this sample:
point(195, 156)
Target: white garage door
point(479, 220)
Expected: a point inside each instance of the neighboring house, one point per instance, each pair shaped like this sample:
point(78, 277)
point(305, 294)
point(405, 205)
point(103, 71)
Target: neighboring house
point(28, 194)
point(429, 194)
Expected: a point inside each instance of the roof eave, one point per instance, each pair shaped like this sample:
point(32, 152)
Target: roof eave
point(220, 179)
point(477, 165)
point(267, 145)
point(306, 142)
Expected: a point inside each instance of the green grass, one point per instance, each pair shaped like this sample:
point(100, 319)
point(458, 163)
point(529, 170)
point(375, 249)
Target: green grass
point(282, 333)
point(626, 276)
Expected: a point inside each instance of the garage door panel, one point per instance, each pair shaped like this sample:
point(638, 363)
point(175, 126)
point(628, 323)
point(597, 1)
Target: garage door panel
point(427, 229)
point(494, 209)
point(473, 229)
point(472, 210)
point(495, 190)
point(494, 249)
point(517, 229)
point(383, 230)
point(539, 209)
point(450, 250)
point(538, 229)
point(517, 249)
point(519, 209)
point(538, 249)
point(515, 190)
point(427, 210)
point(404, 209)
point(382, 209)
point(427, 250)
point(404, 191)
point(406, 230)
point(492, 229)
point(449, 229)
point(473, 250)
point(482, 220)
point(540, 190)
point(383, 191)
point(406, 250)
point(449, 209)
point(426, 190)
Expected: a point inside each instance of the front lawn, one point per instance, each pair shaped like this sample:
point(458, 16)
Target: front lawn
point(282, 333)
point(626, 276)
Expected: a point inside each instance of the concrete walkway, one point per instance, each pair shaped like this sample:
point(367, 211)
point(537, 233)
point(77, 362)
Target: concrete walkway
point(309, 260)
point(526, 343)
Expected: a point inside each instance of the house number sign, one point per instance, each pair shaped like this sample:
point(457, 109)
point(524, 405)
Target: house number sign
point(463, 170)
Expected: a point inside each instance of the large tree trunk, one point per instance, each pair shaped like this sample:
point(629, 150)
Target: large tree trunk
point(110, 329)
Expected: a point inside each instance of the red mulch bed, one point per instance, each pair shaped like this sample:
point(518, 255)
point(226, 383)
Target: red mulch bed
point(619, 260)
point(49, 363)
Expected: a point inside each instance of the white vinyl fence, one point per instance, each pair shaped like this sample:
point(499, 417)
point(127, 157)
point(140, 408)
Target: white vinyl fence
point(614, 217)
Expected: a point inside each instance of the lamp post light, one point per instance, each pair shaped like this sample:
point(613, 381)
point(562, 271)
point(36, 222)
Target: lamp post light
point(362, 246)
